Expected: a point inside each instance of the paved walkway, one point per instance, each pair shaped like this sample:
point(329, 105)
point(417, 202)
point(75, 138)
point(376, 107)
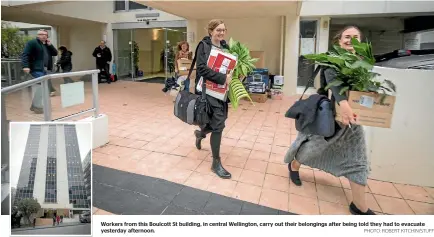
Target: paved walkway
point(71, 230)
point(47, 226)
point(147, 140)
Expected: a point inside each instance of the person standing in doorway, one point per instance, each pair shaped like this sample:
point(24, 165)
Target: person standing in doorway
point(65, 62)
point(103, 57)
point(37, 59)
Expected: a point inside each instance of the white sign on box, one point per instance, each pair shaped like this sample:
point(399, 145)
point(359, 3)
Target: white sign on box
point(72, 94)
point(366, 101)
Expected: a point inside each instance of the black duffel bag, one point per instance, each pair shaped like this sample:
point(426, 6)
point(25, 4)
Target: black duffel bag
point(191, 108)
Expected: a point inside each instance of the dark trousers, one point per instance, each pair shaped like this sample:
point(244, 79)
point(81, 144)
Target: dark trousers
point(104, 71)
point(67, 80)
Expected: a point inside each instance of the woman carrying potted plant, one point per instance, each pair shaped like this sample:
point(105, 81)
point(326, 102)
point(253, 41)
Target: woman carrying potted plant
point(219, 109)
point(344, 154)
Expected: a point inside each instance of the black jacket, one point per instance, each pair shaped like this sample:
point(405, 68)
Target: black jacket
point(304, 111)
point(106, 56)
point(65, 61)
point(202, 69)
point(33, 56)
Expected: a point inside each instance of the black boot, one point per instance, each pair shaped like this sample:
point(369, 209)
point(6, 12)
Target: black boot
point(218, 169)
point(294, 175)
point(355, 211)
point(199, 138)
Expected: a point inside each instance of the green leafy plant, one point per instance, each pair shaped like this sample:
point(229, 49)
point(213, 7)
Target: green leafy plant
point(354, 69)
point(136, 57)
point(28, 206)
point(12, 42)
point(245, 65)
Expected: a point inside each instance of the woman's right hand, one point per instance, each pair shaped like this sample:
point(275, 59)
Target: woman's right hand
point(228, 78)
point(348, 117)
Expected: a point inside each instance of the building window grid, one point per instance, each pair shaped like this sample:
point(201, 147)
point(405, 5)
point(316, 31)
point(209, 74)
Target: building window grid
point(51, 173)
point(30, 161)
point(77, 191)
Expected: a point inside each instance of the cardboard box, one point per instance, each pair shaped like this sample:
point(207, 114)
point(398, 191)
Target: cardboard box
point(184, 64)
point(258, 98)
point(185, 73)
point(368, 109)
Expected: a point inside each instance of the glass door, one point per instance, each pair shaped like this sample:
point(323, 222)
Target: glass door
point(147, 54)
point(173, 36)
point(123, 53)
point(308, 45)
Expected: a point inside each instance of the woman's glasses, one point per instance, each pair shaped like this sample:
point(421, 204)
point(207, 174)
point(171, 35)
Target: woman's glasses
point(221, 30)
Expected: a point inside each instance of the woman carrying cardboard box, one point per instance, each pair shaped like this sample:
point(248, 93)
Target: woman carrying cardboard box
point(344, 154)
point(183, 53)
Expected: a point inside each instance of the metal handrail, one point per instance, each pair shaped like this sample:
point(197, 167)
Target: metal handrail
point(32, 82)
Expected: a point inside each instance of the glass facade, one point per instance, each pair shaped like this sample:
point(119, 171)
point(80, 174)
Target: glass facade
point(26, 180)
point(148, 53)
point(87, 166)
point(77, 192)
point(51, 173)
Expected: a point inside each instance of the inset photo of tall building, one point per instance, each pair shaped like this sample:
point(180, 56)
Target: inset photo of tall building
point(51, 178)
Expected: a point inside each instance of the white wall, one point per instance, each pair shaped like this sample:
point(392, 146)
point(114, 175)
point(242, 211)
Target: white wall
point(41, 167)
point(405, 152)
point(82, 42)
point(330, 8)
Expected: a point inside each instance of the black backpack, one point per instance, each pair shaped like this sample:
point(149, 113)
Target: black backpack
point(191, 108)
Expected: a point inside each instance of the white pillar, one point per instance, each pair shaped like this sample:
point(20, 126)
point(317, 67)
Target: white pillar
point(192, 34)
point(323, 34)
point(323, 40)
point(290, 68)
point(54, 38)
point(62, 169)
point(107, 36)
point(41, 166)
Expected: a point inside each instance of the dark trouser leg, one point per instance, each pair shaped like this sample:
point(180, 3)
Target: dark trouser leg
point(200, 135)
point(107, 73)
point(216, 139)
point(67, 80)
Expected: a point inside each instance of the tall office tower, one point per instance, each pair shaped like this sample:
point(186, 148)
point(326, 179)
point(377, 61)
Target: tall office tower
point(51, 171)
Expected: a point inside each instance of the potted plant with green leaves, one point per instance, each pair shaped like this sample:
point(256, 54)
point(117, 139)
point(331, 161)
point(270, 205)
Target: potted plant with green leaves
point(245, 65)
point(354, 69)
point(136, 57)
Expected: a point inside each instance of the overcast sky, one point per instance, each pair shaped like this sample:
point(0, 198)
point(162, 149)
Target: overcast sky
point(19, 134)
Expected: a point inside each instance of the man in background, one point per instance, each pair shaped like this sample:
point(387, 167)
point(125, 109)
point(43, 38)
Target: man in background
point(103, 57)
point(37, 59)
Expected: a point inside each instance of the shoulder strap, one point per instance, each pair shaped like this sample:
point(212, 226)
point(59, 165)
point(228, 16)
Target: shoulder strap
point(311, 80)
point(191, 70)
